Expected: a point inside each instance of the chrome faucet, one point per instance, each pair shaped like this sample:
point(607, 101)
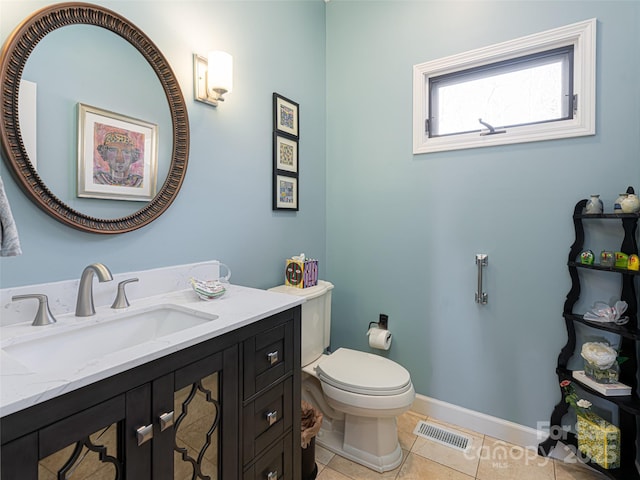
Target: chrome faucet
point(84, 304)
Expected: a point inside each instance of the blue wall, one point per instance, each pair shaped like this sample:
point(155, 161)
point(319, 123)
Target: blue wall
point(403, 229)
point(224, 208)
point(396, 233)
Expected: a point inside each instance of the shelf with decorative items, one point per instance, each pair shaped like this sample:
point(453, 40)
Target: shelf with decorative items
point(622, 330)
point(629, 403)
point(595, 266)
point(610, 449)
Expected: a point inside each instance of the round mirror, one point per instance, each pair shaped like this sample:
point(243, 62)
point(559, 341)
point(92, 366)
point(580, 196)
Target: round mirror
point(134, 199)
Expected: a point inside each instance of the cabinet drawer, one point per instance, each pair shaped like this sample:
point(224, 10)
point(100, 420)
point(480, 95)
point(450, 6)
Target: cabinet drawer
point(275, 464)
point(266, 419)
point(268, 357)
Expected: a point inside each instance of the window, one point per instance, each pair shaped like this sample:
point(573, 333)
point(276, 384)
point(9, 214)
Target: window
point(534, 88)
point(523, 91)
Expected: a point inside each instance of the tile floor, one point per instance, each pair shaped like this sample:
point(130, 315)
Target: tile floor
point(491, 459)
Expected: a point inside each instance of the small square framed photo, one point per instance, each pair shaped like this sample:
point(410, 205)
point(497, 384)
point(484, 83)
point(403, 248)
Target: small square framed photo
point(285, 192)
point(285, 153)
point(285, 115)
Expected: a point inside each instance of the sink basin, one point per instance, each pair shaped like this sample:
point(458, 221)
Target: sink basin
point(78, 345)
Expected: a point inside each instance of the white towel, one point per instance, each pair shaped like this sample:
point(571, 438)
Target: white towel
point(9, 241)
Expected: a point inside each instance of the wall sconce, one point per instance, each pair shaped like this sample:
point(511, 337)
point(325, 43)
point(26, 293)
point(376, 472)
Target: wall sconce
point(212, 76)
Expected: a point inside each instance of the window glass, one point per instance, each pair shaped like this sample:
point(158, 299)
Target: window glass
point(532, 89)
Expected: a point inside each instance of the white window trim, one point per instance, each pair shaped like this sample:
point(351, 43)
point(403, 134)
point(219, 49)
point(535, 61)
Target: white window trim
point(581, 35)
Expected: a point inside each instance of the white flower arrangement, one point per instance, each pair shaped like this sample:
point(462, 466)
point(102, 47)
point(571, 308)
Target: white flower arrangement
point(571, 397)
point(582, 403)
point(599, 354)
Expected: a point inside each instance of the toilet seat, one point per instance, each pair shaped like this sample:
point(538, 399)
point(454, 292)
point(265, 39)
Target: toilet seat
point(363, 373)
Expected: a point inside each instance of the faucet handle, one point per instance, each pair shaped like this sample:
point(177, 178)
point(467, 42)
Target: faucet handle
point(121, 297)
point(43, 315)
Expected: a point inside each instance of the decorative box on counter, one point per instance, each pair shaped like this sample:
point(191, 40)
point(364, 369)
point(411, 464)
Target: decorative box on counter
point(301, 272)
point(599, 440)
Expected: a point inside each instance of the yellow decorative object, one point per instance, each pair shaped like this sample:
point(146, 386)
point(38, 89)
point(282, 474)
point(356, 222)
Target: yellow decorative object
point(599, 440)
point(301, 272)
point(634, 262)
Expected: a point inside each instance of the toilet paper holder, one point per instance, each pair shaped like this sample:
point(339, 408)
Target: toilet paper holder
point(382, 323)
point(378, 333)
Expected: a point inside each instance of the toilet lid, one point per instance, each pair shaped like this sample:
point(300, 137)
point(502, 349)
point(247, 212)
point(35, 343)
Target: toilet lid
point(365, 373)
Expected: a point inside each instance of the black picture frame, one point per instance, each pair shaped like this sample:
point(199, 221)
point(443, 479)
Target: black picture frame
point(286, 115)
point(285, 192)
point(285, 153)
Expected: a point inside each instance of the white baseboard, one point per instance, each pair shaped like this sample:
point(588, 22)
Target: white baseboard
point(479, 422)
point(495, 427)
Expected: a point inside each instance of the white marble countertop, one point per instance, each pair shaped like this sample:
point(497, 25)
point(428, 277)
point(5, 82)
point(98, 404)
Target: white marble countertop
point(22, 387)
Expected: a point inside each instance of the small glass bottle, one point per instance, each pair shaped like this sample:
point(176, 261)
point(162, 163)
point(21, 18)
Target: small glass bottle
point(607, 259)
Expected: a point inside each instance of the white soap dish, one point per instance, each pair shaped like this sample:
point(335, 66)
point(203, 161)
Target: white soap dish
point(208, 289)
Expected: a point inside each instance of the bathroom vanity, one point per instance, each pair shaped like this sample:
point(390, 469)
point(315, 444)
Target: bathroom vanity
point(221, 398)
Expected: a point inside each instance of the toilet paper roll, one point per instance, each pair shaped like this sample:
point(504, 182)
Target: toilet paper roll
point(379, 338)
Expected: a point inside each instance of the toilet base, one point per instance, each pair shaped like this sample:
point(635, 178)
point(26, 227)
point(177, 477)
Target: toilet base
point(364, 435)
point(372, 442)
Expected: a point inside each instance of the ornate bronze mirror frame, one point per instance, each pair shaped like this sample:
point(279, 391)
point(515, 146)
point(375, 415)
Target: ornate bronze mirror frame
point(14, 56)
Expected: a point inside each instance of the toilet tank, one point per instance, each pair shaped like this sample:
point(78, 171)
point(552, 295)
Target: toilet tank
point(316, 318)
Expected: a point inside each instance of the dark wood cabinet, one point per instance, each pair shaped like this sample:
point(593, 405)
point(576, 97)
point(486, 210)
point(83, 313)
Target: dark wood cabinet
point(628, 406)
point(226, 408)
point(271, 408)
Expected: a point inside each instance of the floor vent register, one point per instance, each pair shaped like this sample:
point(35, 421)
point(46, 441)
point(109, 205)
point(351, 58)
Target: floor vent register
point(443, 436)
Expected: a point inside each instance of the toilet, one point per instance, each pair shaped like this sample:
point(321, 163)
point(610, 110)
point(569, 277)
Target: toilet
point(360, 394)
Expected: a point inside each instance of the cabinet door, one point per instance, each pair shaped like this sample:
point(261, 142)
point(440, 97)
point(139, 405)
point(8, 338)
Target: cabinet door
point(190, 408)
point(88, 444)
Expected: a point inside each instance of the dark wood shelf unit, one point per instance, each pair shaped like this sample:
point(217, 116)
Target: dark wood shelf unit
point(629, 405)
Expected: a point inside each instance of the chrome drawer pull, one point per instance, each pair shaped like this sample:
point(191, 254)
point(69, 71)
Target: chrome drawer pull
point(272, 357)
point(166, 420)
point(272, 475)
point(144, 434)
point(272, 417)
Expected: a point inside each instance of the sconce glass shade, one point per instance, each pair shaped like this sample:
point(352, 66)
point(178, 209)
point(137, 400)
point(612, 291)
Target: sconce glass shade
point(220, 72)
